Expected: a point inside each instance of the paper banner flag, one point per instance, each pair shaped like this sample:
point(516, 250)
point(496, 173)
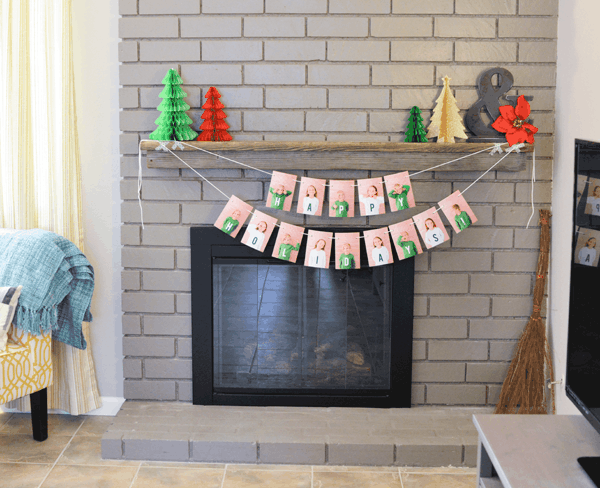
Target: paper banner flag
point(405, 239)
point(399, 190)
point(311, 196)
point(370, 196)
point(379, 249)
point(281, 191)
point(318, 249)
point(585, 248)
point(233, 216)
point(431, 228)
point(287, 245)
point(582, 181)
point(259, 231)
point(457, 211)
point(341, 198)
point(347, 250)
point(593, 198)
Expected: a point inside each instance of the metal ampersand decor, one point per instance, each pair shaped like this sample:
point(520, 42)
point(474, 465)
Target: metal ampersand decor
point(489, 99)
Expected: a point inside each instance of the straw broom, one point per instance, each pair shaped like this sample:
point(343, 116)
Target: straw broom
point(524, 390)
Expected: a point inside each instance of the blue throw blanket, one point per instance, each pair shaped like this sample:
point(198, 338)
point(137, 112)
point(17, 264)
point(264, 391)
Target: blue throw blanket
point(58, 283)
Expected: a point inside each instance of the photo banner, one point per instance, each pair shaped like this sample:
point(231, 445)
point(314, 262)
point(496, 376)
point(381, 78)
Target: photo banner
point(399, 191)
point(318, 249)
point(347, 250)
point(233, 216)
point(289, 240)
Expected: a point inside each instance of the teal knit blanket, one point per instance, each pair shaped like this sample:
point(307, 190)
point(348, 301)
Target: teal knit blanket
point(58, 283)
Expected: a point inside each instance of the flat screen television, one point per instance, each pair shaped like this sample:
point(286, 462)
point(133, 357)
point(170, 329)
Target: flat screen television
point(583, 346)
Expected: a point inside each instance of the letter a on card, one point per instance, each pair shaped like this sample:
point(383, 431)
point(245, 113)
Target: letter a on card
point(233, 216)
point(281, 191)
point(288, 242)
point(311, 196)
point(318, 249)
point(379, 249)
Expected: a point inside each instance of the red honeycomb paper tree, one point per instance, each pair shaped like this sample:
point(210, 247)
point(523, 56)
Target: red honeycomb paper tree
point(214, 128)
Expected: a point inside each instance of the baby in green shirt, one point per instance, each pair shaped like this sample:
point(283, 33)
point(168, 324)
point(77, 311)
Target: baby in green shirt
point(400, 193)
point(341, 205)
point(461, 218)
point(231, 222)
point(409, 248)
point(286, 247)
point(278, 197)
point(347, 259)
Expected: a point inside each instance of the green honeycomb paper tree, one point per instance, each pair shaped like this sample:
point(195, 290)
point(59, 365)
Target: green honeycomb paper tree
point(173, 123)
point(415, 131)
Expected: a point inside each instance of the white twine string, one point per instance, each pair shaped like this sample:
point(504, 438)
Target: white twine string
point(532, 186)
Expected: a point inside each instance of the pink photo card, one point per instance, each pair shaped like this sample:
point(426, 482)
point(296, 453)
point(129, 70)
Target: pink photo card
point(371, 197)
point(259, 231)
point(431, 228)
point(406, 240)
point(379, 249)
point(318, 249)
point(233, 216)
point(341, 198)
point(281, 191)
point(311, 196)
point(457, 211)
point(289, 240)
point(347, 250)
point(399, 190)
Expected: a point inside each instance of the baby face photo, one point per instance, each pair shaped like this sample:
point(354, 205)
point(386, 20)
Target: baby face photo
point(457, 211)
point(582, 181)
point(370, 196)
point(379, 249)
point(592, 204)
point(347, 250)
point(281, 191)
point(431, 228)
point(233, 216)
point(586, 249)
point(399, 191)
point(341, 198)
point(259, 231)
point(288, 242)
point(311, 196)
point(318, 249)
point(405, 239)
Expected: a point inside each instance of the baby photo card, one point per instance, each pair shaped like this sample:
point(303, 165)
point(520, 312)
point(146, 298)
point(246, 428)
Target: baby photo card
point(347, 250)
point(399, 191)
point(341, 198)
point(405, 239)
point(259, 231)
point(311, 196)
point(318, 249)
point(281, 191)
point(233, 216)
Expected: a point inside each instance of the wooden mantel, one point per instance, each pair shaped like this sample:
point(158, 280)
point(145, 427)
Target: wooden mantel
point(383, 156)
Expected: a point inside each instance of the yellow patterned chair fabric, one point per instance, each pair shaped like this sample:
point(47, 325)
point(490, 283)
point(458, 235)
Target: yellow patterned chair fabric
point(25, 365)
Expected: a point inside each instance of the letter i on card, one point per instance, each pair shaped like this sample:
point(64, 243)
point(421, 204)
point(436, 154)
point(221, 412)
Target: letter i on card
point(318, 249)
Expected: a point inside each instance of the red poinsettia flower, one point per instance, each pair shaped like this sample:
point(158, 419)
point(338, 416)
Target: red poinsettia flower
point(512, 122)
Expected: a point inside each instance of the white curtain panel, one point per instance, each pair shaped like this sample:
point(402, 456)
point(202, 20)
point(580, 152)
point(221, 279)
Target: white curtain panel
point(40, 180)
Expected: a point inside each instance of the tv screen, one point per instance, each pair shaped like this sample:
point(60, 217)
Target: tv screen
point(583, 348)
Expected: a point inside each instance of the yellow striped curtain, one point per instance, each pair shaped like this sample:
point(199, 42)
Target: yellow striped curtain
point(40, 181)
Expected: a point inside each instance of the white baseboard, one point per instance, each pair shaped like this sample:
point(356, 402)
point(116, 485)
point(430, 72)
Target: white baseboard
point(110, 407)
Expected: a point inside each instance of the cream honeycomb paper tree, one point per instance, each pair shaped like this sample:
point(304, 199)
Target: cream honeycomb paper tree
point(446, 123)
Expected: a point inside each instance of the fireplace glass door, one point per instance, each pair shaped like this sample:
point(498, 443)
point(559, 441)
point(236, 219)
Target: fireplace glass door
point(290, 327)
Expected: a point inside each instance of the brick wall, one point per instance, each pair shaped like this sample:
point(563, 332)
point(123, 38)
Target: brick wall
point(336, 70)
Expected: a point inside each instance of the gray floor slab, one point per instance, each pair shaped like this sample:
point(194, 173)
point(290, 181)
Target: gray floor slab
point(164, 431)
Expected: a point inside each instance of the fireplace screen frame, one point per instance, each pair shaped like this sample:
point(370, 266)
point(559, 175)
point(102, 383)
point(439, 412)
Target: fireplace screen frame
point(210, 243)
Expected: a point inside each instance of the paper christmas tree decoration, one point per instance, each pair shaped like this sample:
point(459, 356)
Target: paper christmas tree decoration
point(214, 128)
point(415, 131)
point(173, 123)
point(446, 123)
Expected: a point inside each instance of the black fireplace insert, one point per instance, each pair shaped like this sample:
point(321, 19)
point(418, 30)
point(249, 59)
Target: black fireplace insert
point(269, 332)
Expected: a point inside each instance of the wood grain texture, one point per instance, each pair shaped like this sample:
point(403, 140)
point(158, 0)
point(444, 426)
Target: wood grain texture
point(386, 156)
